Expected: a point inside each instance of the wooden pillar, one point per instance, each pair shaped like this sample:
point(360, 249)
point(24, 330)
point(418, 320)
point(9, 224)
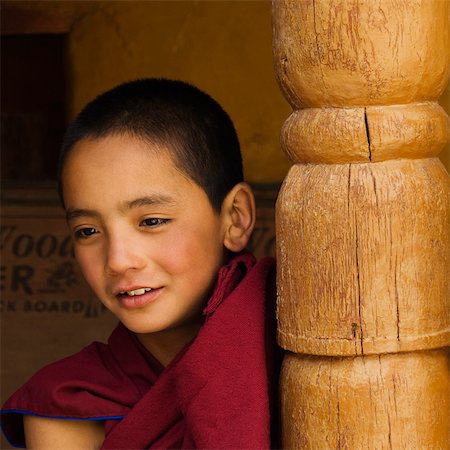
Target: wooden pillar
point(363, 223)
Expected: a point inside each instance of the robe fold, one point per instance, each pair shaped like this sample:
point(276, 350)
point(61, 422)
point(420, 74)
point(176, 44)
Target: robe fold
point(216, 394)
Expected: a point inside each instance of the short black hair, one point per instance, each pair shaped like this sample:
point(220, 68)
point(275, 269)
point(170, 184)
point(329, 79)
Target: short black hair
point(188, 122)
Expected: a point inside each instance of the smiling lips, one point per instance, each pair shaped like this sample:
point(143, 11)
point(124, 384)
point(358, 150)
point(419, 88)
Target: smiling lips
point(137, 298)
point(136, 292)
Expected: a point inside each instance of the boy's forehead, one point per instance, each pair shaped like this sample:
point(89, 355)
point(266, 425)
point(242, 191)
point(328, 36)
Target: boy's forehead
point(150, 153)
point(135, 171)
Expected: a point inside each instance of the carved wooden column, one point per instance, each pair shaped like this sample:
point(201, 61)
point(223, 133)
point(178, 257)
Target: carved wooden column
point(363, 222)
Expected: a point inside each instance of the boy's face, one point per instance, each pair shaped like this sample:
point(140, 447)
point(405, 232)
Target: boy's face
point(146, 237)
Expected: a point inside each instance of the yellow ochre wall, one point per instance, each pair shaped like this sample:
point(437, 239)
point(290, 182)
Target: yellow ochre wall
point(223, 47)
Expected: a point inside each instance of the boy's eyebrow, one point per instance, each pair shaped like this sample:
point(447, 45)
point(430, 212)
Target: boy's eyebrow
point(150, 200)
point(75, 213)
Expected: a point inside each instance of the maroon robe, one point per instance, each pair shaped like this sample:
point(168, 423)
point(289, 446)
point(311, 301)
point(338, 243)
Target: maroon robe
point(215, 394)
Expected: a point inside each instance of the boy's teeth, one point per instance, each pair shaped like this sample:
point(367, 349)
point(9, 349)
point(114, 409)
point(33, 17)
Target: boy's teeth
point(138, 291)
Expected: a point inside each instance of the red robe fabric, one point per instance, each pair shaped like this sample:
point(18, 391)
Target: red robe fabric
point(214, 395)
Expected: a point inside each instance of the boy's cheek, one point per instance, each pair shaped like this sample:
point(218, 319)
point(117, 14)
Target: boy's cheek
point(83, 259)
point(186, 254)
point(89, 267)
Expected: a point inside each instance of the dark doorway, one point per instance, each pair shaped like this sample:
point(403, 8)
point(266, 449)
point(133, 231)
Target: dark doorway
point(33, 99)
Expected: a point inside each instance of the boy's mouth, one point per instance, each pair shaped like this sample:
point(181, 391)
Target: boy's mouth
point(134, 292)
point(137, 298)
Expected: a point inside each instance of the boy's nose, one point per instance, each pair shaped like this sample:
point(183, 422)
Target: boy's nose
point(123, 255)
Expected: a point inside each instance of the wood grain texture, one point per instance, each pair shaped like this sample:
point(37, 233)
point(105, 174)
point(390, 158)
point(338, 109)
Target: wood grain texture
point(326, 135)
point(363, 260)
point(342, 53)
point(375, 133)
point(398, 401)
point(363, 224)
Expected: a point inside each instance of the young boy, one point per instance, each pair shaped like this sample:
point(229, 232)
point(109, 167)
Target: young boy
point(151, 181)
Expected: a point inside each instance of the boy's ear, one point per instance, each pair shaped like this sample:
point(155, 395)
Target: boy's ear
point(238, 215)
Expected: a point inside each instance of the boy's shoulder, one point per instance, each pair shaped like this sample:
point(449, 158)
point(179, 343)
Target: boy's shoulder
point(96, 381)
point(46, 392)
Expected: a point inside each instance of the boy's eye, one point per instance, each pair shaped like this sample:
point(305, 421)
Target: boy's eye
point(84, 233)
point(153, 222)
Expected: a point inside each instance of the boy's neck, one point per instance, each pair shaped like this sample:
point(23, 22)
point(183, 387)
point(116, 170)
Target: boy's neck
point(166, 344)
